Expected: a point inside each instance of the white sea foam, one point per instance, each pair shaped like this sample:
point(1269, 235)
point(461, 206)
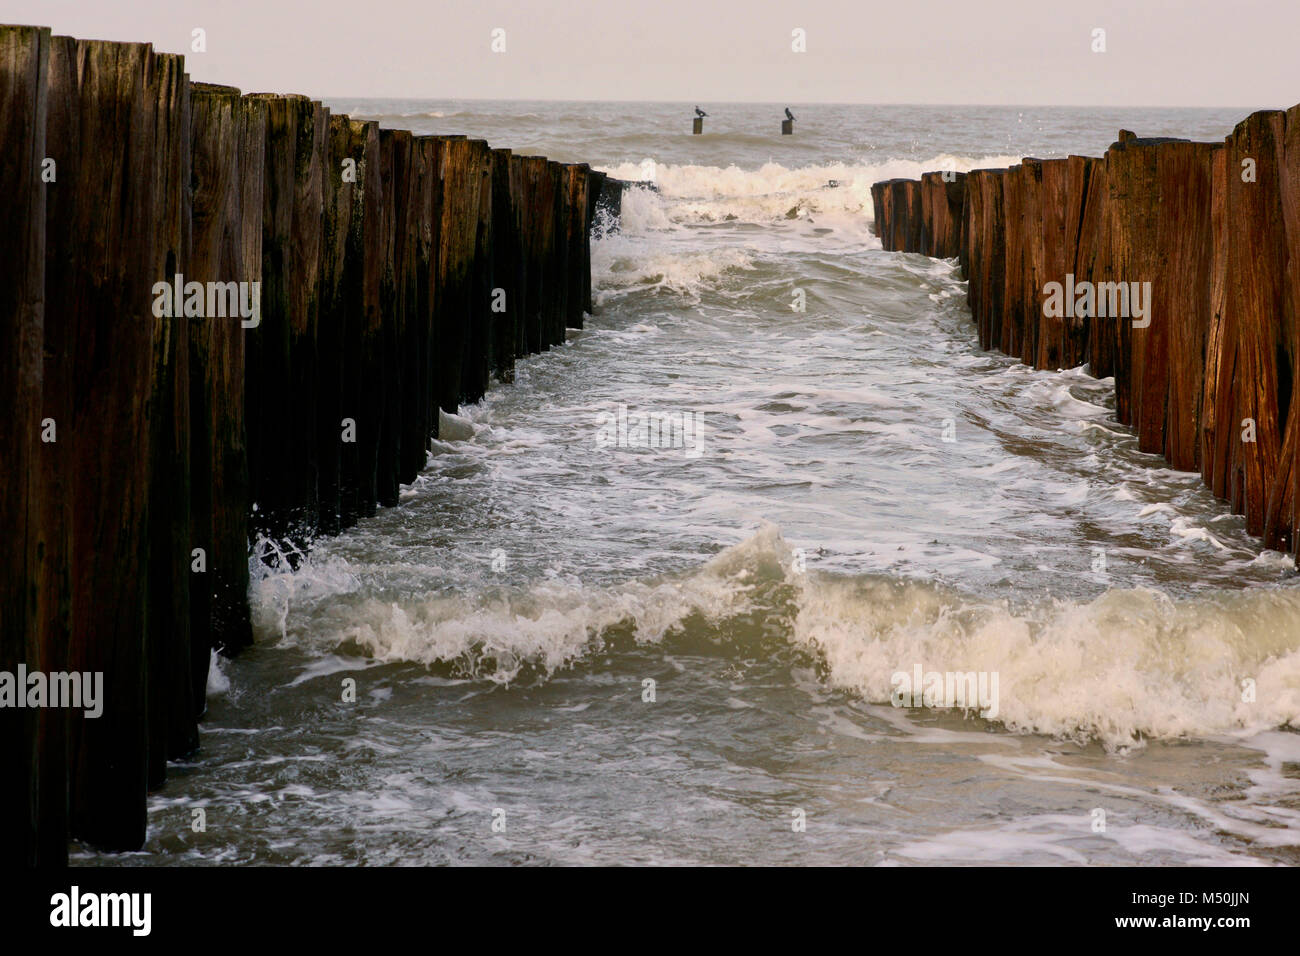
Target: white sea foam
point(1131, 664)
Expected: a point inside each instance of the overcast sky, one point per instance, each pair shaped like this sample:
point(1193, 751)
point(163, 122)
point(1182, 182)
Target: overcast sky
point(1239, 53)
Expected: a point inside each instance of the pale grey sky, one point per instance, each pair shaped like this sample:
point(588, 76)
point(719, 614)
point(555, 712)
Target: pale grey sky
point(1239, 53)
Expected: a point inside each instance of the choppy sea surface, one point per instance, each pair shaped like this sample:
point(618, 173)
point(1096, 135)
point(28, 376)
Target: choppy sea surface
point(571, 644)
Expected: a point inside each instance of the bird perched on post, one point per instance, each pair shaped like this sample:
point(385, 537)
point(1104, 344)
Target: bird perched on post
point(700, 112)
point(789, 115)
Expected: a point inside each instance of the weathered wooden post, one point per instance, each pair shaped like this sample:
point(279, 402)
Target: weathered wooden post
point(171, 709)
point(482, 320)
point(1180, 300)
point(107, 245)
point(339, 182)
point(281, 350)
point(578, 265)
point(507, 267)
point(987, 253)
point(942, 195)
point(357, 218)
point(1086, 193)
point(1219, 434)
point(1011, 321)
point(1260, 302)
point(417, 421)
point(1053, 335)
point(394, 171)
point(558, 289)
point(457, 237)
point(227, 145)
point(31, 741)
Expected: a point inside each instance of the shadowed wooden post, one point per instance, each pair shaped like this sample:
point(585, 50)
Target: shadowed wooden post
point(281, 350)
point(479, 359)
point(559, 290)
point(105, 237)
point(507, 267)
point(1014, 196)
point(34, 791)
point(394, 173)
point(357, 213)
point(518, 310)
point(339, 183)
point(417, 370)
point(227, 144)
point(458, 234)
point(537, 214)
point(549, 231)
point(1051, 349)
point(172, 710)
point(1031, 317)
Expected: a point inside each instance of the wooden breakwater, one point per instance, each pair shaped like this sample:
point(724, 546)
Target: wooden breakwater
point(1206, 377)
point(223, 316)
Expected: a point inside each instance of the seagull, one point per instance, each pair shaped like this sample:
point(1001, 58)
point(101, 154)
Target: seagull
point(788, 114)
point(700, 112)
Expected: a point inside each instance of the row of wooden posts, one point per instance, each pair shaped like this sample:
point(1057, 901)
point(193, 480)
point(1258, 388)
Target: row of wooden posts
point(153, 427)
point(1207, 377)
